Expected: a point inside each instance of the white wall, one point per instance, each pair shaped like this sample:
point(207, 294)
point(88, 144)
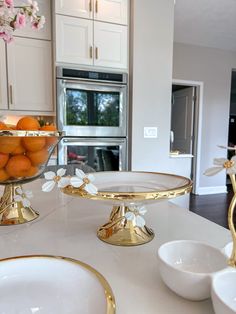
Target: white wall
point(152, 46)
point(213, 67)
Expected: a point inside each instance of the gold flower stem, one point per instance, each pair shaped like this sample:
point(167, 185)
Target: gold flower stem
point(232, 260)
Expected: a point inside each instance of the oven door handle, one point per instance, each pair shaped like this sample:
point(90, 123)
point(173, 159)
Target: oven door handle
point(83, 81)
point(96, 141)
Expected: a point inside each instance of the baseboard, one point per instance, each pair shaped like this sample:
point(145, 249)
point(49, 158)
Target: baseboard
point(211, 190)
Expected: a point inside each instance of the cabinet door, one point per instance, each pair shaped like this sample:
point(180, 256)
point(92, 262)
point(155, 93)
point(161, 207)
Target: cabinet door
point(74, 40)
point(110, 45)
point(3, 76)
point(30, 75)
point(113, 11)
point(43, 33)
point(78, 8)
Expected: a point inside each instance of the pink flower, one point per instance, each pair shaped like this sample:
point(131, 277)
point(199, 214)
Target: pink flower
point(20, 20)
point(7, 37)
point(33, 6)
point(38, 23)
point(8, 3)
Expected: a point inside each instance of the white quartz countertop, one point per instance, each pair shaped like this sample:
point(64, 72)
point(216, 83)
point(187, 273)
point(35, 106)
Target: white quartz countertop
point(67, 227)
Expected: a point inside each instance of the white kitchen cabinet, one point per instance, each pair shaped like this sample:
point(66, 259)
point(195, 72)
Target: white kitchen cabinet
point(113, 11)
point(3, 76)
point(78, 8)
point(110, 45)
point(74, 40)
point(81, 41)
point(43, 33)
point(30, 75)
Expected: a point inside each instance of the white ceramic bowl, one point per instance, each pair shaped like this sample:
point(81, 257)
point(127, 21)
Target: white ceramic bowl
point(187, 267)
point(227, 250)
point(223, 292)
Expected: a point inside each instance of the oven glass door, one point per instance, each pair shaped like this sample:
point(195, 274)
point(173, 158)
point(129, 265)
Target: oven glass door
point(95, 154)
point(92, 109)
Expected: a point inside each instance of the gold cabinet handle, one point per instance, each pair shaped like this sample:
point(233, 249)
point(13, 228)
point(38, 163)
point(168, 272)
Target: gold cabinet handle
point(96, 53)
point(11, 94)
point(90, 6)
point(91, 52)
point(96, 6)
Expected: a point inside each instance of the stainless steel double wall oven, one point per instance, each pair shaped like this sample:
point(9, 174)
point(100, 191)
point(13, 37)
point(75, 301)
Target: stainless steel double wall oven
point(92, 109)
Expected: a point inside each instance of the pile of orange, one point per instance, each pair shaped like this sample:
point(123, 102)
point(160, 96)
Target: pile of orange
point(21, 157)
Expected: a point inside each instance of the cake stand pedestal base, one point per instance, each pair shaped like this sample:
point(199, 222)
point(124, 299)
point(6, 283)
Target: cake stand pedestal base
point(120, 231)
point(12, 212)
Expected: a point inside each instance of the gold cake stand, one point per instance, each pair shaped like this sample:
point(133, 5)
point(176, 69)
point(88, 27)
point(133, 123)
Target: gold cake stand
point(15, 212)
point(129, 192)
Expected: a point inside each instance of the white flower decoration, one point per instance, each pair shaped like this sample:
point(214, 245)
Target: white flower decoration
point(136, 215)
point(222, 163)
point(84, 181)
point(55, 178)
point(227, 147)
point(23, 196)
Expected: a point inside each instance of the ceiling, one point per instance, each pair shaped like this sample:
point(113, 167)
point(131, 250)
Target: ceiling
point(210, 23)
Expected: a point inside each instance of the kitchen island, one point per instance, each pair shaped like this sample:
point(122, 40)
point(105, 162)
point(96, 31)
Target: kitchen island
point(67, 227)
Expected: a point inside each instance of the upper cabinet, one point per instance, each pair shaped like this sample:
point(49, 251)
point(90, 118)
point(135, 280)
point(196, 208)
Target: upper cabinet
point(30, 75)
point(3, 76)
point(112, 11)
point(81, 41)
point(45, 9)
point(78, 8)
point(74, 40)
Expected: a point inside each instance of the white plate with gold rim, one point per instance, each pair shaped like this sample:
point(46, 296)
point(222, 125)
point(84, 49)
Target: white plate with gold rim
point(50, 284)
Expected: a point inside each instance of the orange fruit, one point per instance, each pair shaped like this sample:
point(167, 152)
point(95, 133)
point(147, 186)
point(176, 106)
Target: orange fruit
point(3, 175)
point(39, 157)
point(19, 150)
point(3, 126)
point(33, 144)
point(8, 144)
point(3, 159)
point(18, 165)
point(52, 139)
point(32, 171)
point(28, 123)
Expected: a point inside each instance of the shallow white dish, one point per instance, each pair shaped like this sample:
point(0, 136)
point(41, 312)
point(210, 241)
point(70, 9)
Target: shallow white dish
point(187, 267)
point(48, 284)
point(223, 292)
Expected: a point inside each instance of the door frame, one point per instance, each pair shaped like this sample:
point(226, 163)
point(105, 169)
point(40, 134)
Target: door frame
point(197, 129)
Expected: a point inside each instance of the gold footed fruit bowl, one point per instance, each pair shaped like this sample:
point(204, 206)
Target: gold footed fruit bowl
point(129, 192)
point(23, 158)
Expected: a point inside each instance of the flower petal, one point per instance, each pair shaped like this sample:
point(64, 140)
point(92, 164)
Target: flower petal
point(61, 172)
point(91, 189)
point(142, 210)
point(19, 191)
point(140, 222)
point(212, 171)
point(18, 198)
point(76, 182)
point(91, 177)
point(26, 202)
point(233, 159)
point(79, 173)
point(227, 147)
point(48, 186)
point(219, 161)
point(231, 170)
point(49, 175)
point(63, 182)
point(130, 216)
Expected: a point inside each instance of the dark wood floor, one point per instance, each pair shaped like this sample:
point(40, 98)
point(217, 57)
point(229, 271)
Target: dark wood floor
point(213, 207)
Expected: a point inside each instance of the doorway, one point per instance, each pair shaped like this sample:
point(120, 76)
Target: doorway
point(187, 99)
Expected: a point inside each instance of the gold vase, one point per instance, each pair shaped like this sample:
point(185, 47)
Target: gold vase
point(232, 260)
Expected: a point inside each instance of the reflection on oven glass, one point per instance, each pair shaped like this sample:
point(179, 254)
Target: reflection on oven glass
point(92, 108)
point(99, 158)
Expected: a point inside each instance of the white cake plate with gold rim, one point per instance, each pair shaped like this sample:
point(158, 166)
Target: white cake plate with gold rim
point(51, 284)
point(128, 192)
